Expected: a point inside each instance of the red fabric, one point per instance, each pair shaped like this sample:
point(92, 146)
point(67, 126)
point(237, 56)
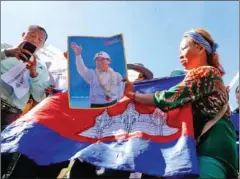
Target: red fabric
point(54, 113)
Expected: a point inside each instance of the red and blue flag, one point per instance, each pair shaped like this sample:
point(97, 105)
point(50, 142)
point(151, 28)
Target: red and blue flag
point(126, 136)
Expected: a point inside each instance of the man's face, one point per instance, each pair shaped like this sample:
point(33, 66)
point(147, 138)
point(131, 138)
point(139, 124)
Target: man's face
point(35, 36)
point(102, 63)
point(134, 75)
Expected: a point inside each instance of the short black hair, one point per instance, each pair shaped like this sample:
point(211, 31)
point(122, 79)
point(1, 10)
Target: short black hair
point(39, 28)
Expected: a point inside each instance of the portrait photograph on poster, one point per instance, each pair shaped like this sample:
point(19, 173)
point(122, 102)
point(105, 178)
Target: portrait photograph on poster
point(97, 69)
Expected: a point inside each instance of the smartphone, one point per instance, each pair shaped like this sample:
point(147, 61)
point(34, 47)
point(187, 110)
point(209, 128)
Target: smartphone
point(29, 47)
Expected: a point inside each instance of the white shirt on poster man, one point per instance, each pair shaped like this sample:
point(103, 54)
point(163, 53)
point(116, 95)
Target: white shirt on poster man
point(105, 86)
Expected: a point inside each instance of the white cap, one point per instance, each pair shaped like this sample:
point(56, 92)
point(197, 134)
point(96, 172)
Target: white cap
point(102, 54)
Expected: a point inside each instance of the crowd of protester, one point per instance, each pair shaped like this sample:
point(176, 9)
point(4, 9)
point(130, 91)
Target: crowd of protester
point(12, 107)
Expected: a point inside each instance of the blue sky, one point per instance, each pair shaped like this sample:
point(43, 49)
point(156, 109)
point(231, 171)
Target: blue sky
point(152, 30)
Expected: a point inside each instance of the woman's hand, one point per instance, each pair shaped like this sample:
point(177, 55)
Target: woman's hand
point(129, 89)
point(145, 99)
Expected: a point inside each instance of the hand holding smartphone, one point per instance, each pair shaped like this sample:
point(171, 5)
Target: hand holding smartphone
point(29, 47)
point(23, 52)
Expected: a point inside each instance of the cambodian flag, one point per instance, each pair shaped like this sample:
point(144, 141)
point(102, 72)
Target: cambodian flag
point(126, 136)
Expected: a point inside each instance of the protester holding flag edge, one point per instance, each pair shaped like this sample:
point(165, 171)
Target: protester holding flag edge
point(202, 87)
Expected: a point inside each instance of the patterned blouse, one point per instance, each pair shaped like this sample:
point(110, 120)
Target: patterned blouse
point(203, 87)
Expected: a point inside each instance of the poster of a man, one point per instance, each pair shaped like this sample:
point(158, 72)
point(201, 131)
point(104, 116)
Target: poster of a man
point(96, 71)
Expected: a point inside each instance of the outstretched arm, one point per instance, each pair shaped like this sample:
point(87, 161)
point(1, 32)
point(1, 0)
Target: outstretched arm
point(198, 83)
point(145, 99)
point(81, 68)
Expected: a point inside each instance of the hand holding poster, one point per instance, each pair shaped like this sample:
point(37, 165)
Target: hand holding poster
point(96, 70)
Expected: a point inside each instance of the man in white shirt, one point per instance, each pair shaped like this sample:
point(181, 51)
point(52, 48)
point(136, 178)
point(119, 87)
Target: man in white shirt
point(11, 104)
point(105, 83)
point(37, 78)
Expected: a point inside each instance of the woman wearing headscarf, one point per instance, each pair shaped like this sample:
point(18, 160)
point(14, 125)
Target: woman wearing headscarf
point(204, 89)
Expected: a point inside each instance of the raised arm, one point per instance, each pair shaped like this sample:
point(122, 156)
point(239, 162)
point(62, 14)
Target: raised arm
point(81, 68)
